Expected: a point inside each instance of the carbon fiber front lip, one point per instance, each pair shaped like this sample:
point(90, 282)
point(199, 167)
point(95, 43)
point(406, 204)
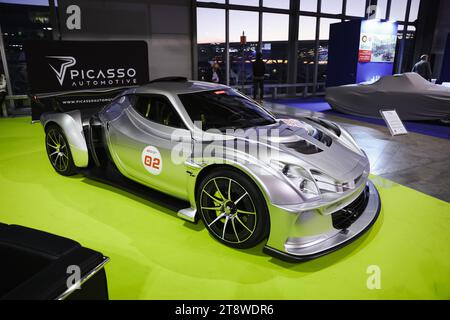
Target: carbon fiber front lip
point(335, 241)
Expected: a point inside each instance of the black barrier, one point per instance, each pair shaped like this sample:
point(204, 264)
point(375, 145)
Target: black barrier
point(36, 265)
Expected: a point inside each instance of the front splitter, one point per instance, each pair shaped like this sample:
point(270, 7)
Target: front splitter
point(340, 239)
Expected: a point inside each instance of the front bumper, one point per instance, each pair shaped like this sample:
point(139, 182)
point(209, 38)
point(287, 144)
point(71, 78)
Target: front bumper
point(307, 235)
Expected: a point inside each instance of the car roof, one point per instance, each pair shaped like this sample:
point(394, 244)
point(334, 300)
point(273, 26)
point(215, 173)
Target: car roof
point(176, 87)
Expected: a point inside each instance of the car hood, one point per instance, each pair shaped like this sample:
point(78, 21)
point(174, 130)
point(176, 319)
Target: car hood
point(309, 145)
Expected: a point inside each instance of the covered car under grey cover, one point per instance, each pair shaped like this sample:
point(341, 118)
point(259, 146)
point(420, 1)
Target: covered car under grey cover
point(412, 96)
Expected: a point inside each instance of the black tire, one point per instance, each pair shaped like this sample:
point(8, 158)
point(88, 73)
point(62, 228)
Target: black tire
point(243, 218)
point(58, 151)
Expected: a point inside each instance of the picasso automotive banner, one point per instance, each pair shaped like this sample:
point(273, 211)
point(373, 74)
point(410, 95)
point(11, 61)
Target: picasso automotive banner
point(55, 66)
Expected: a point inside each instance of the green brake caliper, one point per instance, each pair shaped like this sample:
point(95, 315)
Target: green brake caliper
point(217, 204)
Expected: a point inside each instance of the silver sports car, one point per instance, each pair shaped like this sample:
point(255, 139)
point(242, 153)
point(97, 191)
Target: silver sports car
point(302, 185)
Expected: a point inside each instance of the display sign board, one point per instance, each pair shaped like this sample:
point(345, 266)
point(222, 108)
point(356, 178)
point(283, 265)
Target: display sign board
point(365, 48)
point(377, 41)
point(393, 122)
point(377, 47)
point(376, 54)
point(55, 66)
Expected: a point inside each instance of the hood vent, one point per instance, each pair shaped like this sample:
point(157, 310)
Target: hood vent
point(303, 147)
point(327, 124)
point(322, 137)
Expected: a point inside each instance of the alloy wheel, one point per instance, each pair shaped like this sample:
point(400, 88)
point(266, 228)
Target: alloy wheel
point(228, 210)
point(57, 150)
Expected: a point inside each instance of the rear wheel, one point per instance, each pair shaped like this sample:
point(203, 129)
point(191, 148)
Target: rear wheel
point(233, 209)
point(58, 151)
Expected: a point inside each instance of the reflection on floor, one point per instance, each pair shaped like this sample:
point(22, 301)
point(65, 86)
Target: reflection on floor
point(156, 255)
point(418, 161)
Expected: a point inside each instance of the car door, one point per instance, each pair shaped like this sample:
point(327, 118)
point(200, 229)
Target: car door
point(141, 142)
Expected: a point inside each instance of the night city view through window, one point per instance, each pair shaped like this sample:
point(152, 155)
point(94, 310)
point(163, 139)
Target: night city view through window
point(212, 47)
point(22, 20)
point(211, 35)
point(29, 19)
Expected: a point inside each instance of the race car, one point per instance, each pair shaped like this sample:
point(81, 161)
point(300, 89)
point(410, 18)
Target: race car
point(301, 185)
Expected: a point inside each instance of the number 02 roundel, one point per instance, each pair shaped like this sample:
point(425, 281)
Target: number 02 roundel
point(151, 159)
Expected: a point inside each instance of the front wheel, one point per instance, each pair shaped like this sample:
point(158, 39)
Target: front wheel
point(233, 209)
point(58, 151)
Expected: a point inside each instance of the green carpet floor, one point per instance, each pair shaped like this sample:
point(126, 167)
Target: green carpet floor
point(155, 255)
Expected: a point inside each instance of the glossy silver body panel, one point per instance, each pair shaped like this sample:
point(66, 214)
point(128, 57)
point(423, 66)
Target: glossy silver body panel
point(299, 223)
point(72, 126)
point(127, 137)
point(309, 234)
point(305, 246)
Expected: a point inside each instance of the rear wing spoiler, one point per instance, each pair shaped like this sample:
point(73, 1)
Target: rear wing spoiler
point(72, 100)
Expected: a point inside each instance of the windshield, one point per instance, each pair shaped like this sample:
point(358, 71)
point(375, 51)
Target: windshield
point(224, 109)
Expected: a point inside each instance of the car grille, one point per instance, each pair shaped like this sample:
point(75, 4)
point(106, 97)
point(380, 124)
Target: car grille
point(344, 218)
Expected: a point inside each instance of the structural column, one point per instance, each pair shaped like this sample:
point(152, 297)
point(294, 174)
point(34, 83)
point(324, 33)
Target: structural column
point(293, 44)
point(8, 79)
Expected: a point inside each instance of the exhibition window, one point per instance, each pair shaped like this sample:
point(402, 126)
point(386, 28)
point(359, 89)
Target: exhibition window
point(275, 46)
point(381, 9)
point(408, 50)
point(308, 5)
point(211, 42)
point(242, 54)
point(266, 27)
point(254, 3)
point(324, 35)
point(331, 6)
point(306, 49)
point(398, 10)
point(280, 4)
point(21, 23)
point(356, 8)
point(414, 11)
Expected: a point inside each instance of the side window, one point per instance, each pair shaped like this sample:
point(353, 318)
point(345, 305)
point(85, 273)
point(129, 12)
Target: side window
point(115, 108)
point(158, 109)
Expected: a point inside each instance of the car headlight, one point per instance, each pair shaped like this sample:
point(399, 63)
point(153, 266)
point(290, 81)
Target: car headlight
point(300, 178)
